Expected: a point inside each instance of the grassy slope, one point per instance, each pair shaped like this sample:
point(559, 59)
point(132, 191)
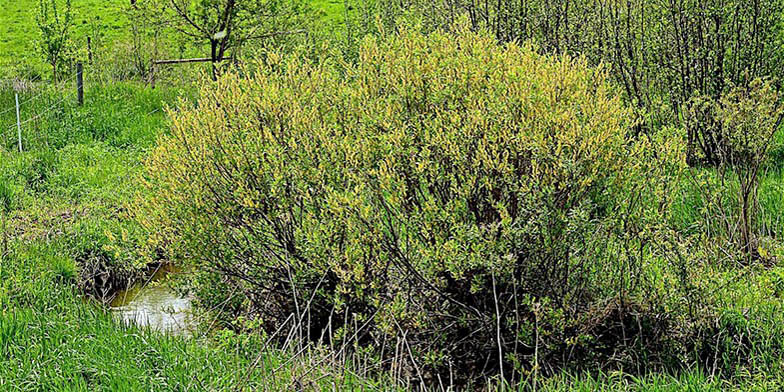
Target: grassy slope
point(18, 29)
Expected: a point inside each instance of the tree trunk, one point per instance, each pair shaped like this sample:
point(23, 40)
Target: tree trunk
point(214, 58)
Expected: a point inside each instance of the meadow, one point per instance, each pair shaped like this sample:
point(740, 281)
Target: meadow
point(101, 20)
point(105, 22)
point(393, 212)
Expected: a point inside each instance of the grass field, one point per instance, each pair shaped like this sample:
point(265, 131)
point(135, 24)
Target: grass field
point(104, 21)
point(18, 30)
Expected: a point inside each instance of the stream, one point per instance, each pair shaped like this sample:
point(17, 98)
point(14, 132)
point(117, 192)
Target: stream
point(153, 304)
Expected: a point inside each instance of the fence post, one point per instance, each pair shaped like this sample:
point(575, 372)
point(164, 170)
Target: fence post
point(18, 122)
point(152, 74)
point(79, 84)
point(89, 50)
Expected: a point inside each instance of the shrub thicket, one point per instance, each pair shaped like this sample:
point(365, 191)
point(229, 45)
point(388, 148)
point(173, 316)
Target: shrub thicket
point(662, 53)
point(453, 203)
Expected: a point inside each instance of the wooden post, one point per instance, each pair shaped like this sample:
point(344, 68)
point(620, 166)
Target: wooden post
point(89, 50)
point(184, 61)
point(18, 122)
point(152, 75)
point(79, 84)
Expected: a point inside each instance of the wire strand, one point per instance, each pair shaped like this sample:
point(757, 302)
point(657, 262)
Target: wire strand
point(39, 115)
point(72, 78)
point(51, 107)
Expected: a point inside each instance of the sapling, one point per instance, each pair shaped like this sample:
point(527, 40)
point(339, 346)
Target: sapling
point(750, 117)
point(745, 120)
point(54, 25)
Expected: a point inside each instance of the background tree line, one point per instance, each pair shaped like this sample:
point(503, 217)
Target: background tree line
point(664, 53)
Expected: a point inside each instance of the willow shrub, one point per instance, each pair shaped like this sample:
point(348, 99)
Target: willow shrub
point(447, 201)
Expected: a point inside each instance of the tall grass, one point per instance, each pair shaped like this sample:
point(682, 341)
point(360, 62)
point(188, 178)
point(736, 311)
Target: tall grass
point(121, 115)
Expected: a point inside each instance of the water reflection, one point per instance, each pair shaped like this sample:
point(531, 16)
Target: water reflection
point(155, 305)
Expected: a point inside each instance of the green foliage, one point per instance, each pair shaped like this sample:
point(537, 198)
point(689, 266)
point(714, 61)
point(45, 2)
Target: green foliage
point(441, 188)
point(6, 203)
point(6, 197)
point(69, 222)
point(436, 208)
point(662, 53)
point(750, 117)
point(55, 24)
point(740, 129)
point(42, 166)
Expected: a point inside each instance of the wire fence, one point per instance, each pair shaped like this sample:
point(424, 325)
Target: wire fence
point(39, 104)
point(31, 109)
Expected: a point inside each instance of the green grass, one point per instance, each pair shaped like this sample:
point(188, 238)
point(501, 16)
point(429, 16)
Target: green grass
point(104, 21)
point(18, 30)
point(623, 382)
point(332, 10)
point(52, 339)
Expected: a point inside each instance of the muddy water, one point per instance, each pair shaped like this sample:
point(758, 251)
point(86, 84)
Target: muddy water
point(153, 304)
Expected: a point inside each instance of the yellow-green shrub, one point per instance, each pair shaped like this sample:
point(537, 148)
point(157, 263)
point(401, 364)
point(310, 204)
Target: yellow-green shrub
point(476, 201)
